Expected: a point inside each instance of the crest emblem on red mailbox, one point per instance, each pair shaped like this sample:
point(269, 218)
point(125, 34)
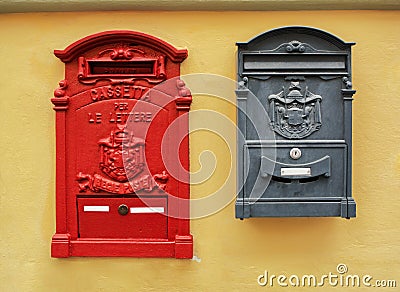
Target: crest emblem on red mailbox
point(121, 155)
point(122, 159)
point(294, 114)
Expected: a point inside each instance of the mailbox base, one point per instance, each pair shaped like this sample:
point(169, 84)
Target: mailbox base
point(183, 247)
point(60, 244)
point(122, 248)
point(345, 208)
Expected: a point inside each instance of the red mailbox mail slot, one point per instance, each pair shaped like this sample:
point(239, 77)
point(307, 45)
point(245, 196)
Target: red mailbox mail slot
point(122, 182)
point(122, 218)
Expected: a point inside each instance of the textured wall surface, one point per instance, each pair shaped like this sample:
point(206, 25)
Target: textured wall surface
point(230, 253)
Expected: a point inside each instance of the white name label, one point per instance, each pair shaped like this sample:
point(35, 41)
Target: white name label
point(296, 171)
point(137, 210)
point(96, 208)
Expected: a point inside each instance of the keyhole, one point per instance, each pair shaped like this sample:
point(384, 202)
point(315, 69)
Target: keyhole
point(295, 153)
point(123, 209)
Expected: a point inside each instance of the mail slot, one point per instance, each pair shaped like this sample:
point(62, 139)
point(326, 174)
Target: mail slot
point(295, 119)
point(124, 218)
point(121, 184)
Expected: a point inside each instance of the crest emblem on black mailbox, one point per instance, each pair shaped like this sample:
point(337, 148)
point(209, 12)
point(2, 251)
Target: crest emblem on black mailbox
point(121, 155)
point(295, 113)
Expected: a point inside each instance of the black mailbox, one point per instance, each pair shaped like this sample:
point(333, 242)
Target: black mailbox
point(295, 125)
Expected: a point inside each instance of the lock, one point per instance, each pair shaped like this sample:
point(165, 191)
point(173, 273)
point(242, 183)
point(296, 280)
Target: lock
point(295, 153)
point(123, 209)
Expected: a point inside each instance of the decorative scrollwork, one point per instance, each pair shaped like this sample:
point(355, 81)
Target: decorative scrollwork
point(184, 98)
point(347, 82)
point(61, 99)
point(60, 91)
point(295, 46)
point(121, 53)
point(243, 84)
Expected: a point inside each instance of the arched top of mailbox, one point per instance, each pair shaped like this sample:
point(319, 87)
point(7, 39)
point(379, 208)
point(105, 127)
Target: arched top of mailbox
point(117, 36)
point(299, 30)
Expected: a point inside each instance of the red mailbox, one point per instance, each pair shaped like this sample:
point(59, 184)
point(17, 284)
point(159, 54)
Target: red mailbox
point(122, 181)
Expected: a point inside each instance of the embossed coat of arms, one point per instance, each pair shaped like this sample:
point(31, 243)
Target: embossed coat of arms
point(122, 159)
point(121, 155)
point(295, 113)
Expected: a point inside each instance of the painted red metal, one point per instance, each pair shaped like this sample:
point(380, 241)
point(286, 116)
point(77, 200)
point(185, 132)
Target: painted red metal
point(122, 187)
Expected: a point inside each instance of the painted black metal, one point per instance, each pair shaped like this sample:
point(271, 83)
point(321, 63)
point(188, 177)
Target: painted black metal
point(295, 83)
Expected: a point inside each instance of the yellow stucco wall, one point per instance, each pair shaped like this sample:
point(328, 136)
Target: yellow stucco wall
point(232, 252)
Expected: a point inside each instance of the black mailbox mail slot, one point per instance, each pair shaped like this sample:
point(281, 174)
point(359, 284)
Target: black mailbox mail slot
point(294, 85)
